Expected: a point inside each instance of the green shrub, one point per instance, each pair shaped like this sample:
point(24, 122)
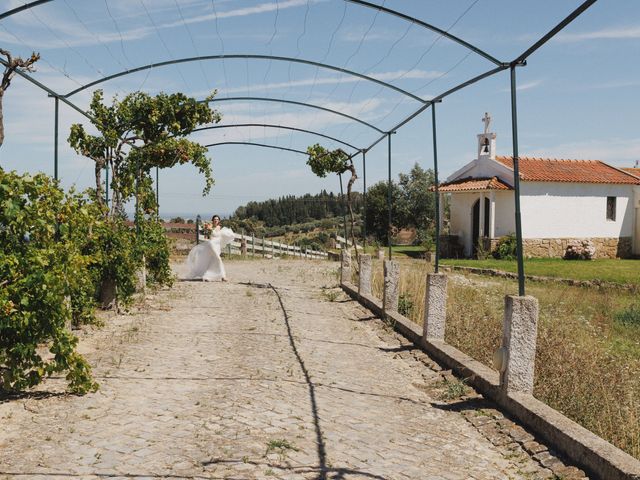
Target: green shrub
point(43, 280)
point(630, 316)
point(405, 304)
point(155, 246)
point(506, 248)
point(113, 246)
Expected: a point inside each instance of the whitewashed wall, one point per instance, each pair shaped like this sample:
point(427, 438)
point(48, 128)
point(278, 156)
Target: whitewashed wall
point(636, 244)
point(553, 210)
point(483, 167)
point(565, 210)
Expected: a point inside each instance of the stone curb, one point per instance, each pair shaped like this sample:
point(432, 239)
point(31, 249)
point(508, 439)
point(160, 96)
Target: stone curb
point(536, 278)
point(588, 451)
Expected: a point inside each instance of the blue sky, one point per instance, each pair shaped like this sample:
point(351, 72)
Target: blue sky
point(578, 96)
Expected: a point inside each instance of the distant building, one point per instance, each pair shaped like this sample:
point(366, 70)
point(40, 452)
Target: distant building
point(561, 201)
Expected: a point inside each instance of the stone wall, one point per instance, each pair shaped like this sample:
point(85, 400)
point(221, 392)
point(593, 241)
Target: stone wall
point(555, 247)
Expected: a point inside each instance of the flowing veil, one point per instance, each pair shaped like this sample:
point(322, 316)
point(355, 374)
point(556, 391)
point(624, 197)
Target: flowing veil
point(204, 262)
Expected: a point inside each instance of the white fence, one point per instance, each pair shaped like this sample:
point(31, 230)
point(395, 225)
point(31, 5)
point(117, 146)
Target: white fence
point(265, 248)
point(341, 241)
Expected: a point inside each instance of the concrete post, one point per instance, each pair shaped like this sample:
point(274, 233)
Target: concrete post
point(345, 268)
point(435, 307)
point(516, 357)
point(364, 285)
point(391, 286)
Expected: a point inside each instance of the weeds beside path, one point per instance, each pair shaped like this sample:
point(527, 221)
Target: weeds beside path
point(588, 356)
point(606, 270)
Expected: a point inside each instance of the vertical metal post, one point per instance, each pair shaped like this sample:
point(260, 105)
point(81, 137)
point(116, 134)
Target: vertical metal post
point(158, 191)
point(389, 197)
point(344, 213)
point(364, 200)
point(106, 184)
point(437, 191)
point(55, 140)
point(516, 181)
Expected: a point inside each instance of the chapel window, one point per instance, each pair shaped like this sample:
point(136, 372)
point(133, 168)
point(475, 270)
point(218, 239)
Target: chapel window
point(611, 208)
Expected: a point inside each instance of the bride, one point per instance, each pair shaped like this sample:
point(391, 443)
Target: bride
point(204, 262)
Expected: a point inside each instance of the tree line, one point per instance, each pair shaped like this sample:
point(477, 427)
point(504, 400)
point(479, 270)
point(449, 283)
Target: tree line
point(291, 209)
point(413, 206)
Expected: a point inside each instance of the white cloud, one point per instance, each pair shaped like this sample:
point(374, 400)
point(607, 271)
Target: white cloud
point(72, 34)
point(240, 12)
point(525, 86)
point(306, 119)
point(615, 33)
point(383, 76)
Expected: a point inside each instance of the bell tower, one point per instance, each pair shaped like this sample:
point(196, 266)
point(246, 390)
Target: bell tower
point(486, 141)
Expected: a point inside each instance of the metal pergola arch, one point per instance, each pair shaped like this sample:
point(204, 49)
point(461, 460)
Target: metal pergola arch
point(257, 144)
point(500, 66)
point(293, 102)
point(293, 150)
point(283, 127)
point(362, 3)
point(246, 57)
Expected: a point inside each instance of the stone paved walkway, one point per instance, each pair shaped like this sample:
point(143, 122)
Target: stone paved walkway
point(214, 380)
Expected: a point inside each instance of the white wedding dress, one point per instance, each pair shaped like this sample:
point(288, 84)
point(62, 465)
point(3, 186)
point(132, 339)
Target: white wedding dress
point(204, 262)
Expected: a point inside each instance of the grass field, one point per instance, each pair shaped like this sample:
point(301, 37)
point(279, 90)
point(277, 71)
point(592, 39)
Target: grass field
point(588, 348)
point(616, 271)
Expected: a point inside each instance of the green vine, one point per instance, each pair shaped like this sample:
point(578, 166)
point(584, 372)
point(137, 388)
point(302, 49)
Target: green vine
point(42, 270)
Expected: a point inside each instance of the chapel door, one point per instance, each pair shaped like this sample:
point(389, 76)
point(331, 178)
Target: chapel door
point(487, 214)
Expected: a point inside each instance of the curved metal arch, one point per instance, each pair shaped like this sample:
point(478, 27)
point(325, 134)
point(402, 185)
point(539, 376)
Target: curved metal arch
point(258, 145)
point(293, 102)
point(246, 57)
point(361, 3)
point(26, 6)
point(428, 26)
point(284, 127)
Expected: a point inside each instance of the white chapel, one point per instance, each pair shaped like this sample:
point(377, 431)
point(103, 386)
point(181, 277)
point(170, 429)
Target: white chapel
point(560, 201)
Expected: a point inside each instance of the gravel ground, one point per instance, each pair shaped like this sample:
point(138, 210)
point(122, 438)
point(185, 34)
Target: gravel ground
point(273, 374)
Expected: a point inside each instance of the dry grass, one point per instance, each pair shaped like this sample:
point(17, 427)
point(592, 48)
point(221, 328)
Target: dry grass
point(587, 364)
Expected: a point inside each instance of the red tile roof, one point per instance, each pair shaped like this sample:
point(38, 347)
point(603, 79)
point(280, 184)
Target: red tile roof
point(474, 184)
point(633, 171)
point(579, 171)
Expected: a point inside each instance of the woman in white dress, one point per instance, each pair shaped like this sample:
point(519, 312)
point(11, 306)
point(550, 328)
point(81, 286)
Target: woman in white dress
point(204, 262)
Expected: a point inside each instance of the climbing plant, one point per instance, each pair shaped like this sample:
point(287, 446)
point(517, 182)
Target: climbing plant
point(141, 132)
point(323, 162)
point(12, 65)
point(43, 282)
point(136, 135)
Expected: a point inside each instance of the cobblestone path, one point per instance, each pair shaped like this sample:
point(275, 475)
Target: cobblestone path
point(216, 380)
